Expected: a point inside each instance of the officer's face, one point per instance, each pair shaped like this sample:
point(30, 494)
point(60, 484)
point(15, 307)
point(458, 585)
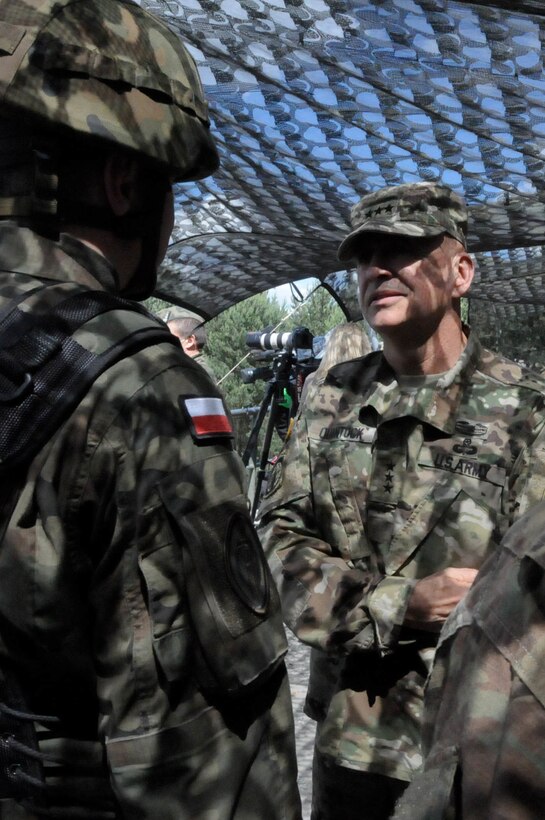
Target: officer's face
point(407, 283)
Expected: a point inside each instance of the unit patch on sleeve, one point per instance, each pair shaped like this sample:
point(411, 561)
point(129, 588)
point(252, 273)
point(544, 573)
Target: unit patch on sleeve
point(207, 417)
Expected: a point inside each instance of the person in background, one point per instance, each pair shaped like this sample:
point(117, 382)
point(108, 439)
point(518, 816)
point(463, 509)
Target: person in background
point(141, 640)
point(403, 472)
point(484, 707)
point(192, 335)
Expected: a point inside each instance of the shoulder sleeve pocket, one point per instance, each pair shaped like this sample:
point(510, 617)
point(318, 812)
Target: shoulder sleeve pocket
point(231, 598)
point(162, 575)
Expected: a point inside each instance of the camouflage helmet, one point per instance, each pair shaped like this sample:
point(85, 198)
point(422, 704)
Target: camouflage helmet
point(109, 71)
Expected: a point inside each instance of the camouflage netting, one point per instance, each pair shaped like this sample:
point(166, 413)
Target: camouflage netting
point(315, 103)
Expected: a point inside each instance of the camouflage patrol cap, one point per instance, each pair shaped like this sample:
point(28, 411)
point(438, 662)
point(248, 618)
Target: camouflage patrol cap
point(415, 209)
point(108, 70)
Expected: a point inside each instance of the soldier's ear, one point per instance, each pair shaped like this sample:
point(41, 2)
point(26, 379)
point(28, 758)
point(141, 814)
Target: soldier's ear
point(464, 270)
point(120, 182)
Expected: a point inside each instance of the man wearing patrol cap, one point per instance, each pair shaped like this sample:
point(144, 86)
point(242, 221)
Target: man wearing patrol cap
point(141, 640)
point(401, 476)
point(420, 209)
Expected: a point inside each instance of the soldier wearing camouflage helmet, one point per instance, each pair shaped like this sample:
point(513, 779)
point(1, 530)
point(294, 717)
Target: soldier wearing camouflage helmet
point(403, 472)
point(141, 642)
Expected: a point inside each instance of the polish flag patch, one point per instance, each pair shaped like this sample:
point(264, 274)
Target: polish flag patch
point(208, 417)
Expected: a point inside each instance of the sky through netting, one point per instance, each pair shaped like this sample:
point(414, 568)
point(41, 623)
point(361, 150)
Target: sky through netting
point(315, 103)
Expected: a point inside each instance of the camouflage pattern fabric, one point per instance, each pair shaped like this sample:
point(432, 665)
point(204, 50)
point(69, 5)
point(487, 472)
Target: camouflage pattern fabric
point(381, 485)
point(484, 716)
point(128, 574)
point(129, 80)
point(416, 209)
point(204, 361)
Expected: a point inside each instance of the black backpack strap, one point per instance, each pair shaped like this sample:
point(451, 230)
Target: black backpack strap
point(21, 773)
point(45, 372)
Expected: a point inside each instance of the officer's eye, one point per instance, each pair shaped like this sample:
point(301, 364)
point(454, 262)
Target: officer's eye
point(364, 256)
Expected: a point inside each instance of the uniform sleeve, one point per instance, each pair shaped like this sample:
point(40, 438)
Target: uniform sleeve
point(329, 600)
point(177, 584)
point(527, 478)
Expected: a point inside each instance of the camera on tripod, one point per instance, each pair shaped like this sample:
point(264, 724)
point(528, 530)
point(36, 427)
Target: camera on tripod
point(292, 349)
point(289, 359)
point(300, 338)
point(250, 375)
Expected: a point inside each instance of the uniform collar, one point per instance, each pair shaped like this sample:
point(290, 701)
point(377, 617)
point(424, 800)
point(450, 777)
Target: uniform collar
point(373, 380)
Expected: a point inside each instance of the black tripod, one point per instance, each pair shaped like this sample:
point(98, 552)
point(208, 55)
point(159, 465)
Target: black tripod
point(280, 402)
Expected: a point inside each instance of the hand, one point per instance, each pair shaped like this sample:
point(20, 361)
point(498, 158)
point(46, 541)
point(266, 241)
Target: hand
point(434, 597)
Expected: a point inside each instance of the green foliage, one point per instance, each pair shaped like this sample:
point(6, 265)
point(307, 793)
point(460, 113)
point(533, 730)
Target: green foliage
point(226, 345)
point(522, 341)
point(320, 312)
point(154, 305)
point(226, 349)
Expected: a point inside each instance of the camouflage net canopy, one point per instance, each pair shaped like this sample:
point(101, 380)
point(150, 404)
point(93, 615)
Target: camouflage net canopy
point(316, 102)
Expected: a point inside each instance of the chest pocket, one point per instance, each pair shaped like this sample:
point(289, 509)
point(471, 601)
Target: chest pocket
point(458, 519)
point(340, 476)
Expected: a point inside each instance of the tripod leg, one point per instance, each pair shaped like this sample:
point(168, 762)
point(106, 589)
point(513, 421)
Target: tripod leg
point(250, 451)
point(264, 456)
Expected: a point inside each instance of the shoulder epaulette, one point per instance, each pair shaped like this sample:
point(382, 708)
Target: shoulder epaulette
point(355, 374)
point(511, 373)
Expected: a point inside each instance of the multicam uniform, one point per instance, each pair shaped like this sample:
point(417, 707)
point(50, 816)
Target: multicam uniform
point(382, 484)
point(484, 716)
point(130, 584)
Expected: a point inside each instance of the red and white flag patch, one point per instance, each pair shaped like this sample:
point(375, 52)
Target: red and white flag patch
point(208, 417)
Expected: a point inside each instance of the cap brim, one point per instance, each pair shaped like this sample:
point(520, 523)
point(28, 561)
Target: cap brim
point(347, 248)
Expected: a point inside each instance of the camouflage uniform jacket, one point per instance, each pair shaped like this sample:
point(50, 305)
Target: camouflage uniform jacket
point(380, 486)
point(484, 708)
point(204, 361)
point(127, 573)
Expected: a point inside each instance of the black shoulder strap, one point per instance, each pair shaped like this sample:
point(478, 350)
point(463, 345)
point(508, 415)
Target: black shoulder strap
point(45, 372)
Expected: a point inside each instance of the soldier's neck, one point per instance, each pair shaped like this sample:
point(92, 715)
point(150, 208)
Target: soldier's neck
point(122, 254)
point(436, 354)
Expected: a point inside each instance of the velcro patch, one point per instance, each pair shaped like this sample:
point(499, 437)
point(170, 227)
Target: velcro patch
point(207, 417)
point(366, 435)
point(246, 564)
